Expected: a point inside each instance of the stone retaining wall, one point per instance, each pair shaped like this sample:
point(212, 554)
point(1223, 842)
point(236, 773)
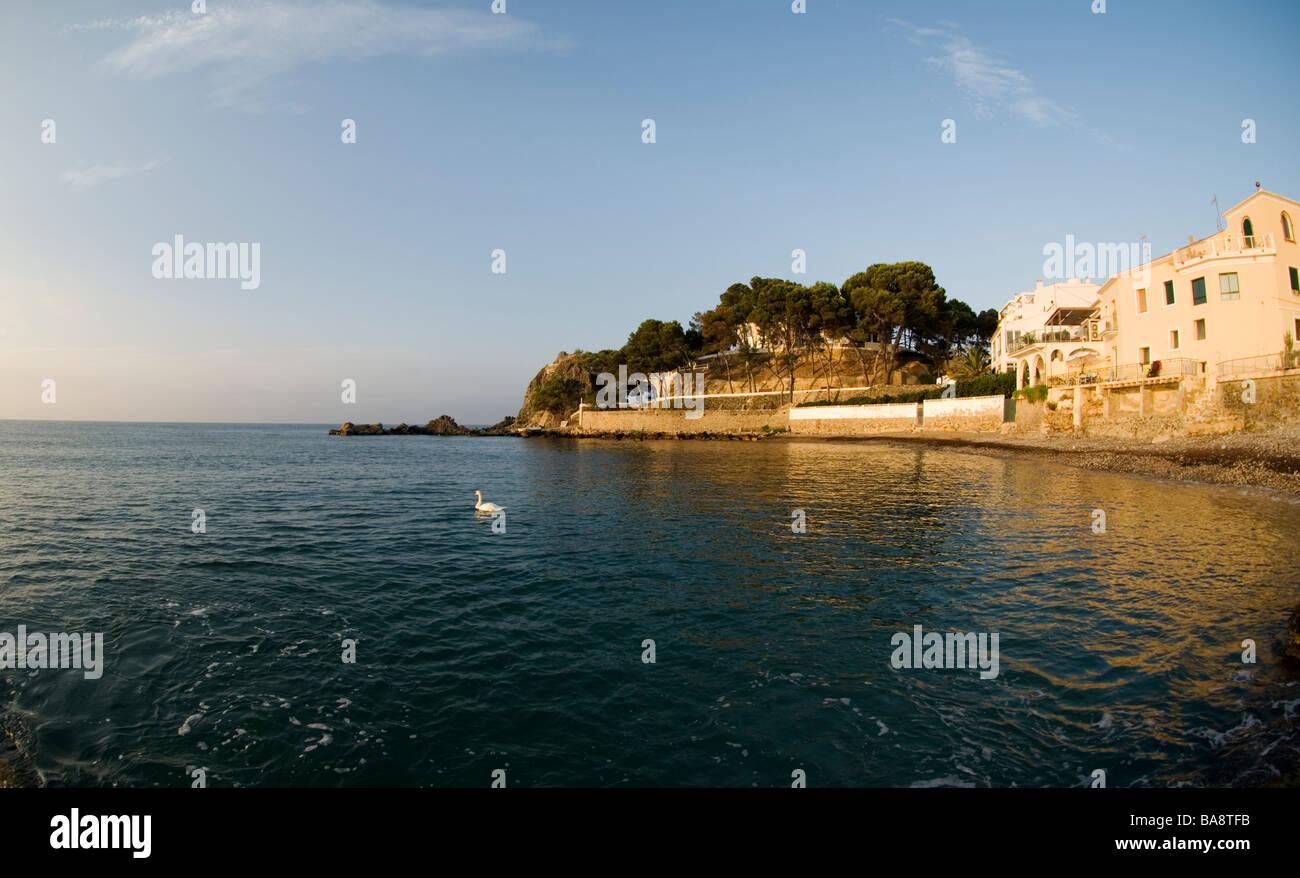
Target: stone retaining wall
point(675, 421)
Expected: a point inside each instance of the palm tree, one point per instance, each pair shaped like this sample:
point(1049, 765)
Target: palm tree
point(973, 362)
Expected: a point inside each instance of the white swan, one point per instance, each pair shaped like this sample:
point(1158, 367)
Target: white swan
point(486, 507)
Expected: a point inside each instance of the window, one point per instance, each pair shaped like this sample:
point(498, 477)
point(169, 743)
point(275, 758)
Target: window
point(1295, 280)
point(1142, 301)
point(1173, 339)
point(1248, 231)
point(1297, 329)
point(1144, 356)
point(1288, 231)
point(1169, 292)
point(1200, 329)
point(1198, 291)
point(1228, 285)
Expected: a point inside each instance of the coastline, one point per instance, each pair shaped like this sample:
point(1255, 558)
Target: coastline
point(1263, 459)
point(1255, 458)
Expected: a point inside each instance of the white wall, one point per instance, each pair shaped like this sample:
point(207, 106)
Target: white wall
point(887, 411)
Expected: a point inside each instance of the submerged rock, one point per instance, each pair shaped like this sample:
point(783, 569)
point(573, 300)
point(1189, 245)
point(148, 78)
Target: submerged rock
point(17, 767)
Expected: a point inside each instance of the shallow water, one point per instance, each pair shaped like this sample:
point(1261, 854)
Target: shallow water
point(522, 651)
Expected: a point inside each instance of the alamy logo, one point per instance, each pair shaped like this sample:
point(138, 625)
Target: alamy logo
point(658, 390)
point(208, 261)
point(1085, 260)
point(56, 651)
point(113, 832)
point(953, 650)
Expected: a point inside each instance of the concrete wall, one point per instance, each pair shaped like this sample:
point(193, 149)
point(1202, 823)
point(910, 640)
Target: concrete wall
point(971, 413)
point(854, 420)
point(848, 427)
point(675, 421)
point(887, 411)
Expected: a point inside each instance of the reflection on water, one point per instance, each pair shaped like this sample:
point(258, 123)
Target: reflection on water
point(1119, 650)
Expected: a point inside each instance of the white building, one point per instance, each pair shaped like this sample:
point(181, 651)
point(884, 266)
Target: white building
point(1047, 329)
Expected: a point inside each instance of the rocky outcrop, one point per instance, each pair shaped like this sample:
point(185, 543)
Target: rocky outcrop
point(568, 381)
point(504, 427)
point(351, 429)
point(443, 425)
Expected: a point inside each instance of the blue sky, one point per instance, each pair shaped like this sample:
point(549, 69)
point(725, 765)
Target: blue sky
point(522, 131)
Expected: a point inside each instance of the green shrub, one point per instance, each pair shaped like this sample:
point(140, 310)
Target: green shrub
point(558, 395)
point(1038, 393)
point(999, 383)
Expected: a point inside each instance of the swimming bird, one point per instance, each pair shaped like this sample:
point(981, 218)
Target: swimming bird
point(486, 507)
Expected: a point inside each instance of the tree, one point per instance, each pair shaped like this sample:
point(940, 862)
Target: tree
point(879, 316)
point(973, 362)
point(896, 303)
point(783, 313)
point(739, 299)
point(719, 334)
point(558, 395)
point(749, 357)
point(656, 346)
point(831, 317)
point(986, 325)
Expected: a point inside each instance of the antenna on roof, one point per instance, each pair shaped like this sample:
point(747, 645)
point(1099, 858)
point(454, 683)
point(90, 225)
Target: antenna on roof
point(1218, 214)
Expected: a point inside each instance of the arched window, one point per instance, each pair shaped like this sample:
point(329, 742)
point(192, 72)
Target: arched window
point(1288, 231)
point(1248, 232)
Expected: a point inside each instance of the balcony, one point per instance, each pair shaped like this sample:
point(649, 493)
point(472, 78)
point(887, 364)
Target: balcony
point(1224, 245)
point(1172, 369)
point(1267, 364)
point(1061, 336)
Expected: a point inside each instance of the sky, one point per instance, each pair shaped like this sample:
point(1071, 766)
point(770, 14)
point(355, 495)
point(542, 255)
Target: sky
point(522, 132)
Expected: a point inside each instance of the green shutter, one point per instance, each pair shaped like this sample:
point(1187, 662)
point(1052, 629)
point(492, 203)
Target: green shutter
point(1169, 292)
point(1295, 280)
point(1198, 291)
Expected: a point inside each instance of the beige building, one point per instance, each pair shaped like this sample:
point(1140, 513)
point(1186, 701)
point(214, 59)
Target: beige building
point(1218, 306)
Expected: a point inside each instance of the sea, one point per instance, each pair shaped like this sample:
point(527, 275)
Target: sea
point(284, 608)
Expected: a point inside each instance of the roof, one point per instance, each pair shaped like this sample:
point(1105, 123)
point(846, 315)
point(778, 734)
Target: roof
point(1256, 194)
point(1069, 316)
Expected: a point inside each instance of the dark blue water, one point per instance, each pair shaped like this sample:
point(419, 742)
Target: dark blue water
point(522, 651)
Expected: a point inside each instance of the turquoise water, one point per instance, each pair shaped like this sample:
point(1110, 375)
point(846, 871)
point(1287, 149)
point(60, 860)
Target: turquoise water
point(522, 651)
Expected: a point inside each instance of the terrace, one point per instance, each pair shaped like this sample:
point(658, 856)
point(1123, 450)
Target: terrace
point(1167, 371)
point(1226, 244)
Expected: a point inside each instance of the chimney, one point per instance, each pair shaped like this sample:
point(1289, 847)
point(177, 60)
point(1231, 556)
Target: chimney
point(1040, 285)
point(1191, 239)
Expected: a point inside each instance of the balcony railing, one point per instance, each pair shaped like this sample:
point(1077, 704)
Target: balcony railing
point(1230, 244)
point(1179, 367)
point(1061, 336)
point(1259, 365)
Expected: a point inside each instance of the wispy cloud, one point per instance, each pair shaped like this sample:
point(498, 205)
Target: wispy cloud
point(244, 45)
point(84, 178)
point(990, 85)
